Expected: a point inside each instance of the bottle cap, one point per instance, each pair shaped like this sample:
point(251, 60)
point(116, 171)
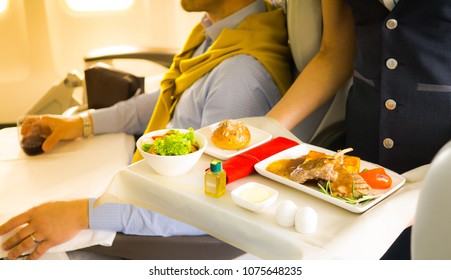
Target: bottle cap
point(215, 165)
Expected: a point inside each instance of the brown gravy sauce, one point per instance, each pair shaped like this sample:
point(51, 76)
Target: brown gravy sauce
point(284, 167)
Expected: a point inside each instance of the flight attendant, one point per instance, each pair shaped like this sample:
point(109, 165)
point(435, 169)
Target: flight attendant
point(398, 111)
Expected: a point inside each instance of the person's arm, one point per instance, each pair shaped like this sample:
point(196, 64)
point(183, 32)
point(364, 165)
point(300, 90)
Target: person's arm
point(130, 116)
point(329, 69)
point(53, 223)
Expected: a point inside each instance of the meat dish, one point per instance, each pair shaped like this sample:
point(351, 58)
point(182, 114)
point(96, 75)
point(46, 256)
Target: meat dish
point(336, 175)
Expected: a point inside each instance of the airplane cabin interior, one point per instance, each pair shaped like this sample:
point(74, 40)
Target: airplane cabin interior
point(49, 50)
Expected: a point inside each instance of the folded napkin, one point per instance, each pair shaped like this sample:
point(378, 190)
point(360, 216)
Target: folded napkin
point(242, 165)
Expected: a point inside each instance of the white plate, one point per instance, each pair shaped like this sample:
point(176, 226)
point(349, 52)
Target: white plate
point(303, 149)
point(258, 137)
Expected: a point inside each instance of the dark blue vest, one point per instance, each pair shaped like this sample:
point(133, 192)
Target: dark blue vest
point(399, 108)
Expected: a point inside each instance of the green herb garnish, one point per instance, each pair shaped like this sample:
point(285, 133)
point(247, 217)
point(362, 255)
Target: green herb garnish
point(363, 198)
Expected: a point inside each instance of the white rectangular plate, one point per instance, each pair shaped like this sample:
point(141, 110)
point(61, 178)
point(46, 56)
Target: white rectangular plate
point(303, 149)
point(258, 137)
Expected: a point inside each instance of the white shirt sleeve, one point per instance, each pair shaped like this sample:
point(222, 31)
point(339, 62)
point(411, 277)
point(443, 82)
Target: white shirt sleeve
point(130, 219)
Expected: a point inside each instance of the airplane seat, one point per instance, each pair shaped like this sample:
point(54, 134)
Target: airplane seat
point(431, 231)
point(160, 58)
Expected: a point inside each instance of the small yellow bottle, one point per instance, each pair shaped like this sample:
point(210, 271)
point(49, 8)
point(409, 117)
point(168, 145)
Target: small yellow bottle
point(215, 179)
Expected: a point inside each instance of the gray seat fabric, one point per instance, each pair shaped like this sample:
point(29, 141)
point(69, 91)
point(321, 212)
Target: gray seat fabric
point(133, 247)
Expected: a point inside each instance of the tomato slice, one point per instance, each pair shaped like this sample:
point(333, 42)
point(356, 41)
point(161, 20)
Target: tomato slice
point(377, 178)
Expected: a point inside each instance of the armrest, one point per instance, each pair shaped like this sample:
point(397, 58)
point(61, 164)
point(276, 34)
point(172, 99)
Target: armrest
point(5, 125)
point(161, 56)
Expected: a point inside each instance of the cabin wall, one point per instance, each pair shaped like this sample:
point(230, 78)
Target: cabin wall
point(42, 40)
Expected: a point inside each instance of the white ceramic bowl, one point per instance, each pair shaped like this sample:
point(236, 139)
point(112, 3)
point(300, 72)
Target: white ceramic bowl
point(254, 196)
point(171, 165)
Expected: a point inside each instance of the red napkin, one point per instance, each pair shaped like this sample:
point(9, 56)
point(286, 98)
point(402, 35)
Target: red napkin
point(242, 165)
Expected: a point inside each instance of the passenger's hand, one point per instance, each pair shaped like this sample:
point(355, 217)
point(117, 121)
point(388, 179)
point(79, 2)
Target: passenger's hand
point(45, 226)
point(63, 128)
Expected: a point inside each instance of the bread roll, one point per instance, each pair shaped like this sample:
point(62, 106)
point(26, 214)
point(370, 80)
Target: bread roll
point(231, 135)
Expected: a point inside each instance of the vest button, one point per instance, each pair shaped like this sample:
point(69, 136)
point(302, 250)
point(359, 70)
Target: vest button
point(391, 24)
point(388, 143)
point(390, 104)
point(391, 63)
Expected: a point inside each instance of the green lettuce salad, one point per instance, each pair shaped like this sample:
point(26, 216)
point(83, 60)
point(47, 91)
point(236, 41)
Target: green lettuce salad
point(173, 143)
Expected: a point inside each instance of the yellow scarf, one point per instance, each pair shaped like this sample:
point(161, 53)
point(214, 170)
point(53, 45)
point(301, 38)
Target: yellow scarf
point(263, 36)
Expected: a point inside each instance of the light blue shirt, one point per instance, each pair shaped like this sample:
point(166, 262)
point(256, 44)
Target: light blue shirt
point(238, 87)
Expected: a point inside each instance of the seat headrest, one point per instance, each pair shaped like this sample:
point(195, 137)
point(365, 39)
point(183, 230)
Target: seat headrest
point(304, 22)
point(431, 230)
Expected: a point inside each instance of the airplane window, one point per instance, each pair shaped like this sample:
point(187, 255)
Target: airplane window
point(3, 6)
point(98, 5)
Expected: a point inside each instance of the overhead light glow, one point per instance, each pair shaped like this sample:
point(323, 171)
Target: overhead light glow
point(3, 5)
point(98, 5)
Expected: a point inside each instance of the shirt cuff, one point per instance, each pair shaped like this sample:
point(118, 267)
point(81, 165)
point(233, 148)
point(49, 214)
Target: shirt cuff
point(104, 121)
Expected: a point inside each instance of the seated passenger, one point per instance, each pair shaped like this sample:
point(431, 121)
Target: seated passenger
point(235, 63)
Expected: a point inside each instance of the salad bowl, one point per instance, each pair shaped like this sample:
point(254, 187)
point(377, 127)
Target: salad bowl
point(171, 163)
